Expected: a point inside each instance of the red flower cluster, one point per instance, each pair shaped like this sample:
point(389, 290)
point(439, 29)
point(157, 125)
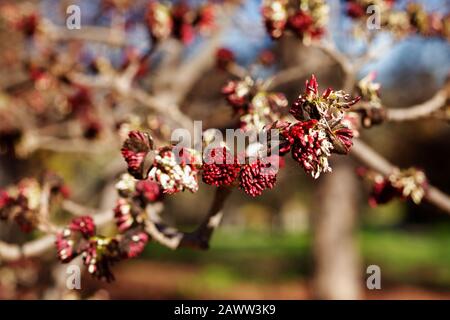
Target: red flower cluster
point(134, 198)
point(309, 146)
point(257, 177)
point(180, 21)
point(148, 191)
point(307, 20)
point(28, 24)
point(275, 17)
point(402, 22)
point(133, 243)
point(358, 8)
point(82, 107)
point(256, 106)
point(311, 105)
point(21, 202)
point(175, 169)
point(99, 253)
point(403, 184)
point(224, 57)
point(320, 129)
point(220, 168)
point(68, 240)
point(239, 93)
point(267, 58)
point(302, 23)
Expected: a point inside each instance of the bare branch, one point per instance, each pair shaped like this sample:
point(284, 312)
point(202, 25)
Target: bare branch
point(198, 239)
point(418, 111)
point(111, 36)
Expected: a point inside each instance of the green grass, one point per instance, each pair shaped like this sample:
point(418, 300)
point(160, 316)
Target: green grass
point(421, 258)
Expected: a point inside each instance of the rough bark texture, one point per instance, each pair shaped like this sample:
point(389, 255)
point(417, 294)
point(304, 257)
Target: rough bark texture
point(338, 273)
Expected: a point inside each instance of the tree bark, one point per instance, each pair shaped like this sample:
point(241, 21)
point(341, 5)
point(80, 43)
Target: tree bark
point(337, 264)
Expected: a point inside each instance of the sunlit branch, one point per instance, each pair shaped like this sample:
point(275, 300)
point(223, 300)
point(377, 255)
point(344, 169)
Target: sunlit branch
point(375, 161)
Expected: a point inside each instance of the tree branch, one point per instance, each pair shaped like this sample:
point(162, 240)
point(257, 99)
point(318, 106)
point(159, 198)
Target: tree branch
point(111, 36)
point(198, 239)
point(375, 161)
point(420, 110)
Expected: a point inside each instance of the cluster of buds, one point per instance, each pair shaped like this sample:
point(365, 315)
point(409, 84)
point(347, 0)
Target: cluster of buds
point(174, 169)
point(321, 129)
point(307, 19)
point(22, 18)
point(370, 109)
point(21, 203)
point(224, 58)
point(257, 176)
point(179, 21)
point(357, 9)
point(221, 168)
point(117, 4)
point(256, 107)
point(402, 22)
point(79, 238)
point(405, 184)
point(99, 253)
point(427, 24)
point(81, 106)
point(135, 195)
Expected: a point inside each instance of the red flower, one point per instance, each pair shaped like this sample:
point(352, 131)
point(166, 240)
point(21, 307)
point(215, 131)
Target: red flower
point(310, 147)
point(5, 199)
point(65, 246)
point(206, 17)
point(132, 245)
point(224, 57)
point(68, 241)
point(84, 225)
point(28, 24)
point(311, 105)
point(256, 177)
point(342, 140)
point(275, 17)
point(148, 190)
point(238, 93)
point(383, 192)
point(220, 168)
point(300, 22)
point(81, 101)
point(134, 150)
point(267, 58)
point(355, 10)
point(159, 21)
point(182, 24)
point(123, 215)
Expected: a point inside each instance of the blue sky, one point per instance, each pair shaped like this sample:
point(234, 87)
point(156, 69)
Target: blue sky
point(247, 37)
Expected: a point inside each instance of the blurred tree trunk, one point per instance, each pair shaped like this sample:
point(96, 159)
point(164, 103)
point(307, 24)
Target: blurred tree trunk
point(337, 265)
